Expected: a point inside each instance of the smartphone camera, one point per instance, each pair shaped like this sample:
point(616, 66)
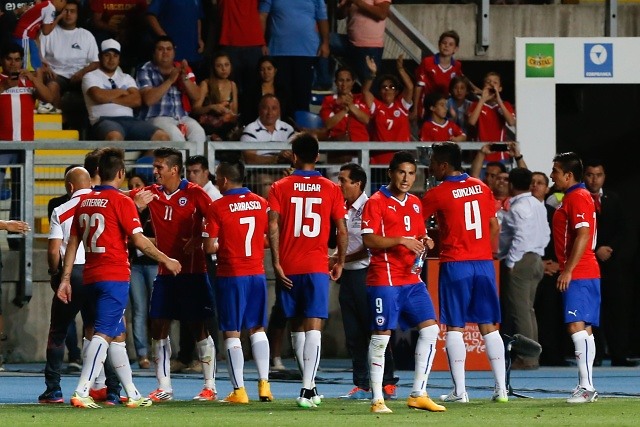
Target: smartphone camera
point(499, 147)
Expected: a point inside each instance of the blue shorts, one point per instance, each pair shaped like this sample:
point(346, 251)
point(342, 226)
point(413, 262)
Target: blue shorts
point(468, 293)
point(183, 297)
point(109, 302)
point(309, 296)
point(131, 128)
point(242, 302)
point(407, 305)
point(582, 302)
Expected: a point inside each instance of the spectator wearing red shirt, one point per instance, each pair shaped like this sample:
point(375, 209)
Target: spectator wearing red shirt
point(438, 128)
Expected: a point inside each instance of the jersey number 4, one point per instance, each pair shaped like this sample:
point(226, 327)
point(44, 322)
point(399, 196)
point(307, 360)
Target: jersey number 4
point(304, 210)
point(472, 219)
point(93, 227)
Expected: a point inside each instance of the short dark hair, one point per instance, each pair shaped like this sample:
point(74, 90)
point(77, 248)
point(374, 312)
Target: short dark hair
point(431, 99)
point(520, 178)
point(12, 47)
point(172, 156)
point(91, 160)
point(502, 166)
point(266, 96)
point(450, 33)
point(543, 175)
point(141, 177)
point(459, 79)
point(402, 157)
point(110, 163)
point(570, 162)
point(234, 172)
point(356, 174)
point(164, 38)
point(263, 59)
point(306, 147)
point(198, 159)
point(447, 152)
point(593, 163)
point(76, 2)
point(344, 68)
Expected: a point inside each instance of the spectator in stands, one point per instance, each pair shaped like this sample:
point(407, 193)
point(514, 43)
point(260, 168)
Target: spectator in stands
point(481, 160)
point(458, 103)
point(10, 11)
point(492, 116)
point(389, 110)
point(614, 272)
point(345, 114)
point(168, 87)
point(197, 171)
point(217, 106)
point(365, 33)
point(242, 37)
point(182, 21)
point(111, 95)
point(267, 128)
point(39, 17)
point(434, 74)
point(437, 128)
point(266, 83)
point(68, 53)
point(548, 303)
point(524, 234)
point(122, 20)
point(298, 34)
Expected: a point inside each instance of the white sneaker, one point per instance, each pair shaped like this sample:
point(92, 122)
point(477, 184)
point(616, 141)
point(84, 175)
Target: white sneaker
point(582, 395)
point(277, 364)
point(500, 396)
point(452, 397)
point(303, 402)
point(47, 108)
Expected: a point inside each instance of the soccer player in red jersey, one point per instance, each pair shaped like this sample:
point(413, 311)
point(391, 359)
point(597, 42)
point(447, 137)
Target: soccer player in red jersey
point(103, 220)
point(574, 239)
point(438, 128)
point(239, 221)
point(466, 215)
point(302, 206)
point(177, 209)
point(394, 232)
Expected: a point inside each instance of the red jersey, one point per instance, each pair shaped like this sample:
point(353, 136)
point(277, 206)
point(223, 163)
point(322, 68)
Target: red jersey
point(433, 77)
point(239, 220)
point(31, 21)
point(356, 130)
point(463, 207)
point(305, 201)
point(240, 23)
point(16, 111)
point(103, 220)
point(386, 216)
point(390, 124)
point(114, 12)
point(432, 131)
point(177, 219)
point(576, 211)
point(492, 127)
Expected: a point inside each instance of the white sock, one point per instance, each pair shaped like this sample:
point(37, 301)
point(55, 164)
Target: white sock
point(581, 345)
point(235, 361)
point(120, 361)
point(312, 347)
point(457, 356)
point(424, 355)
point(297, 342)
point(162, 356)
point(100, 381)
point(495, 352)
point(260, 350)
point(206, 353)
point(93, 363)
point(377, 347)
point(591, 354)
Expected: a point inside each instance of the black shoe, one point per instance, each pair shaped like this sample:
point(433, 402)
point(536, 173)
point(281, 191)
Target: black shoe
point(625, 362)
point(51, 396)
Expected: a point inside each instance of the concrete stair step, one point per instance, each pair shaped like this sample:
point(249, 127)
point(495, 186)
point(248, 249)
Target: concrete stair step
point(71, 135)
point(48, 122)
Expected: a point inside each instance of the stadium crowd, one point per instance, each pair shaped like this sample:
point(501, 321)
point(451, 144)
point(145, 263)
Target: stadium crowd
point(245, 70)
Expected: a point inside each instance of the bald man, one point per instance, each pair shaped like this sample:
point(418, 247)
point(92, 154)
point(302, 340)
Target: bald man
point(77, 182)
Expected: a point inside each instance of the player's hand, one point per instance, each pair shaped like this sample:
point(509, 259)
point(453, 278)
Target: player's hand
point(336, 271)
point(173, 265)
point(284, 280)
point(371, 64)
point(333, 259)
point(563, 281)
point(428, 242)
point(550, 267)
point(64, 292)
point(17, 226)
point(143, 198)
point(603, 253)
point(413, 244)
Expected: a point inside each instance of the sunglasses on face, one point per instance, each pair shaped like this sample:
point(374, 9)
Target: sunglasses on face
point(388, 87)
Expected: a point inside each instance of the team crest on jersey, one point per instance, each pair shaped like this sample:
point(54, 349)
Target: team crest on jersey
point(396, 113)
point(182, 201)
point(416, 208)
point(380, 320)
